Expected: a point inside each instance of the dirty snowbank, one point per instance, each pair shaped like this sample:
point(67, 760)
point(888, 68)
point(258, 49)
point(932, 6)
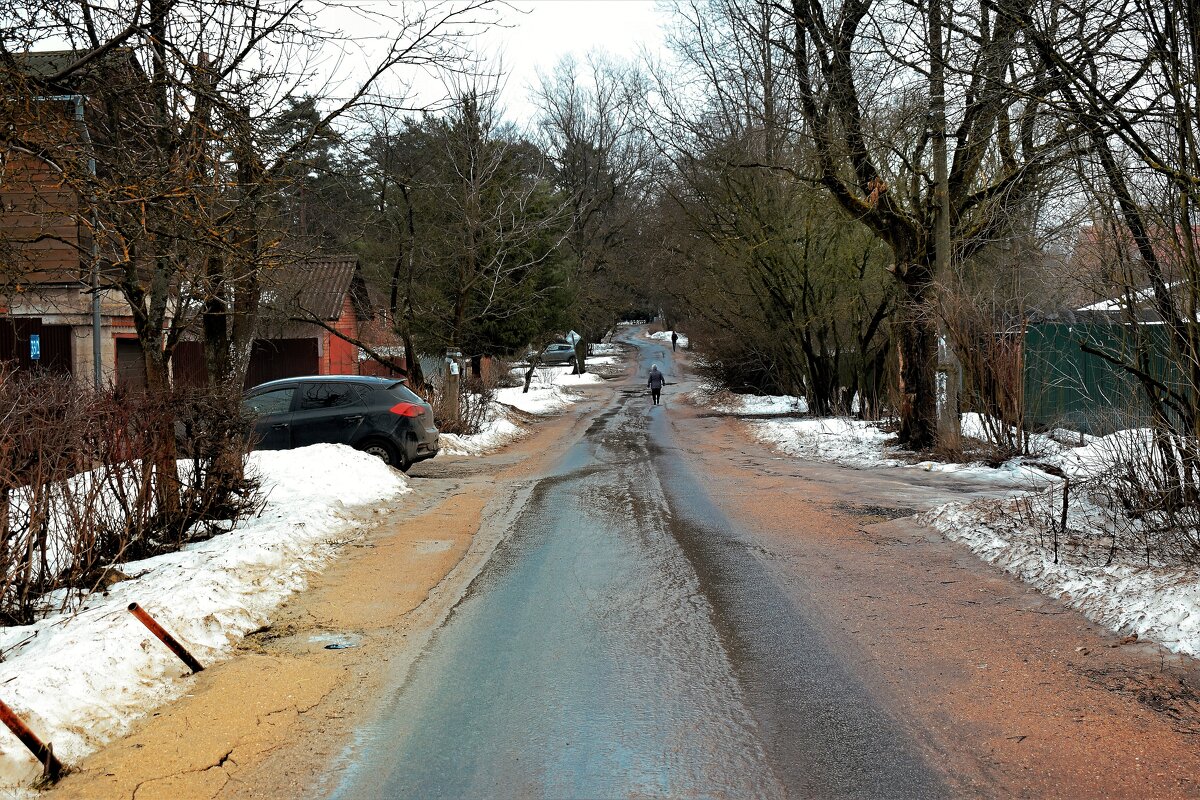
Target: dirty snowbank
point(1109, 584)
point(752, 405)
point(549, 393)
point(605, 349)
point(79, 679)
point(1158, 602)
point(665, 336)
point(862, 445)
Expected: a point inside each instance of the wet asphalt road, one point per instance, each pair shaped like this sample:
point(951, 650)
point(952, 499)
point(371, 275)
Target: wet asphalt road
point(627, 640)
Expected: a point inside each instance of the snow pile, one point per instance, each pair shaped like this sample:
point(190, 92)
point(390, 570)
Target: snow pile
point(80, 679)
point(1161, 604)
point(665, 336)
point(1098, 452)
point(850, 442)
point(606, 349)
point(860, 444)
point(1158, 602)
point(539, 400)
point(547, 395)
point(562, 377)
point(753, 405)
point(497, 431)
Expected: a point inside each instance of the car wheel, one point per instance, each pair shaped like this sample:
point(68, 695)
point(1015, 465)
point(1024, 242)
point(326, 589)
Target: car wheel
point(388, 453)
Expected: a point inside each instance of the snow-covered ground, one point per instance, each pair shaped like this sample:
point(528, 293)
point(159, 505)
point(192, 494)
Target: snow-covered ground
point(1158, 602)
point(549, 393)
point(79, 679)
point(605, 349)
point(859, 444)
point(761, 405)
point(852, 442)
point(665, 336)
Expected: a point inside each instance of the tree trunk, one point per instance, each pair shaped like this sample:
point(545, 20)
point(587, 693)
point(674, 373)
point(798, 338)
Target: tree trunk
point(412, 362)
point(534, 360)
point(950, 432)
point(166, 472)
point(244, 273)
point(916, 332)
point(5, 509)
point(581, 349)
point(215, 324)
point(405, 258)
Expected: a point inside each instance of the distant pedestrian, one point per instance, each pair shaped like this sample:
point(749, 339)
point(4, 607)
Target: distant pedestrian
point(674, 339)
point(655, 383)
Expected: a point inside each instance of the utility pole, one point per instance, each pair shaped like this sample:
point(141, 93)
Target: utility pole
point(452, 378)
point(80, 102)
point(949, 368)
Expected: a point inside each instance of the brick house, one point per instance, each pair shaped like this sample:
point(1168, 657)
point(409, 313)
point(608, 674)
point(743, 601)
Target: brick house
point(47, 262)
point(49, 266)
point(302, 303)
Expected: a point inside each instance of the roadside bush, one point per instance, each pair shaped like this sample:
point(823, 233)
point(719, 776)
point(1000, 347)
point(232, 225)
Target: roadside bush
point(474, 402)
point(505, 373)
point(735, 364)
point(989, 345)
point(1150, 477)
point(1134, 505)
point(77, 485)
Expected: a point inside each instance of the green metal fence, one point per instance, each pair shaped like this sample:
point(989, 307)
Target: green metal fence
point(1067, 387)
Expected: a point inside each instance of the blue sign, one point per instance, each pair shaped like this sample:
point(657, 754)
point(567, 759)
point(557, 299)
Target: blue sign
point(35, 346)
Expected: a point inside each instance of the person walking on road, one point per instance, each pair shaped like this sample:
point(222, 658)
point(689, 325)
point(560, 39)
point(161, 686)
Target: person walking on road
point(655, 383)
point(674, 339)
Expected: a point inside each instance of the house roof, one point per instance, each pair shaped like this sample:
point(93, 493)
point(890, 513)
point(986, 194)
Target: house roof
point(319, 286)
point(44, 64)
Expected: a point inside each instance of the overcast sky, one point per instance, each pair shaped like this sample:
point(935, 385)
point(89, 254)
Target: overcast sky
point(529, 35)
point(545, 30)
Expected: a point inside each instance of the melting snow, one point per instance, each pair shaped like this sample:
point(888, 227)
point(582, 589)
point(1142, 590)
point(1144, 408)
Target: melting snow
point(1158, 602)
point(79, 679)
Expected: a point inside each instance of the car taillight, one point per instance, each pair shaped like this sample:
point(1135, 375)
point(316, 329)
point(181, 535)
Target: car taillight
point(407, 409)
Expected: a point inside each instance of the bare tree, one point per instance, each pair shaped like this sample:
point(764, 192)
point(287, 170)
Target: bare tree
point(180, 200)
point(868, 94)
point(782, 288)
point(592, 128)
point(1130, 75)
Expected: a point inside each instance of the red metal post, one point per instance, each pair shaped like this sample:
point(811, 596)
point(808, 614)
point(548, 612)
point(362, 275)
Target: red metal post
point(165, 637)
point(41, 752)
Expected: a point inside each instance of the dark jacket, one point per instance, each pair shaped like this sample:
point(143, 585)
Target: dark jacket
point(656, 379)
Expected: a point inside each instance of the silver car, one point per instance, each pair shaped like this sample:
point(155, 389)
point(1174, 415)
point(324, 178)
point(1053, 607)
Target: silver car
point(558, 353)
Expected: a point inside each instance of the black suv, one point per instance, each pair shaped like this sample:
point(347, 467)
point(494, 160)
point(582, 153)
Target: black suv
point(377, 415)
